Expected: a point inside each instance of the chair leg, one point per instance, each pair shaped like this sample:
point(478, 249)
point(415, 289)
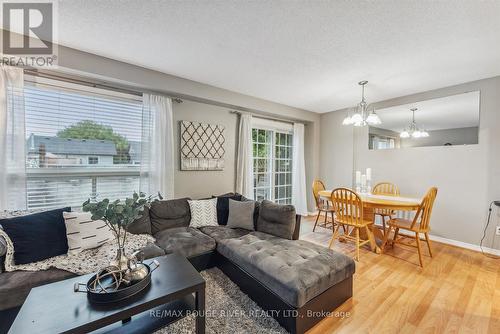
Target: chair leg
point(383, 224)
point(317, 218)
point(333, 221)
point(417, 239)
point(326, 218)
point(428, 243)
point(357, 243)
point(334, 236)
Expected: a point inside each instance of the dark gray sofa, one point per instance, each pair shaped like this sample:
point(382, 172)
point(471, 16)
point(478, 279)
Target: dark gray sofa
point(278, 271)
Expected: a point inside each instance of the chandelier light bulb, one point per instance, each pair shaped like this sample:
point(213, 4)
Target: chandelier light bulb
point(373, 119)
point(357, 118)
point(347, 120)
point(404, 134)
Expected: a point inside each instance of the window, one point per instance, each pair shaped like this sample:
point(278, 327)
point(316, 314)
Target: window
point(272, 163)
point(81, 142)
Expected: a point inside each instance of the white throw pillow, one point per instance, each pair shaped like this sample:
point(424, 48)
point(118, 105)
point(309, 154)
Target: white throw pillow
point(203, 213)
point(84, 233)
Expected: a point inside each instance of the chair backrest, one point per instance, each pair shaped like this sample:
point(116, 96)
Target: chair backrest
point(348, 206)
point(425, 210)
point(386, 188)
point(317, 186)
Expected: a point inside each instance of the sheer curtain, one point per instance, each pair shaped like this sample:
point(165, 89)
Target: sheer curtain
point(244, 166)
point(157, 147)
point(12, 140)
point(299, 171)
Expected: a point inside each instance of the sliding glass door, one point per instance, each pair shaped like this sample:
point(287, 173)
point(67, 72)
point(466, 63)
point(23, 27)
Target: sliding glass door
point(272, 164)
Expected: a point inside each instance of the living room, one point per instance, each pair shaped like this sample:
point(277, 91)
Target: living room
point(250, 167)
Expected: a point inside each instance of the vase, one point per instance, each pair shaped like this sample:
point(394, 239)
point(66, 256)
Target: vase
point(121, 260)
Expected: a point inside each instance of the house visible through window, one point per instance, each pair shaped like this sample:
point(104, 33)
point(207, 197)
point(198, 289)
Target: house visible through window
point(82, 143)
point(272, 162)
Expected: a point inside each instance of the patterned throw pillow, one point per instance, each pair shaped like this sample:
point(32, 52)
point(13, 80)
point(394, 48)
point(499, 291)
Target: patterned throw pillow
point(203, 213)
point(85, 233)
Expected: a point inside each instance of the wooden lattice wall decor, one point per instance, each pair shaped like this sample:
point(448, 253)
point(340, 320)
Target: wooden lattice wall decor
point(201, 146)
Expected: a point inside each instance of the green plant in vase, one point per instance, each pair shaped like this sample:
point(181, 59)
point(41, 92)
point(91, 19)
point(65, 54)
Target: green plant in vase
point(118, 215)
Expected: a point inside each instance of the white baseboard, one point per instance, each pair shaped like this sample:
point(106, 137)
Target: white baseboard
point(457, 243)
point(452, 242)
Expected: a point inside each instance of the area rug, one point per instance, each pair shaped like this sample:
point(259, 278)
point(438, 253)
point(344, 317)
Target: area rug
point(229, 310)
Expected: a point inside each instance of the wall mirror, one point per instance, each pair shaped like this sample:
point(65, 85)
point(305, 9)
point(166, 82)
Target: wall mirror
point(447, 121)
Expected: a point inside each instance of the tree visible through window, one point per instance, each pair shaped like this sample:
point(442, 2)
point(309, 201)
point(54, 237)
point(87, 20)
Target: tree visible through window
point(272, 165)
point(81, 143)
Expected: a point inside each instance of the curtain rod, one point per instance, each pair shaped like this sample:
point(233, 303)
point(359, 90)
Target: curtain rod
point(264, 117)
point(89, 83)
point(128, 90)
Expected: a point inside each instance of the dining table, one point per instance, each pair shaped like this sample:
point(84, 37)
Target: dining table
point(371, 202)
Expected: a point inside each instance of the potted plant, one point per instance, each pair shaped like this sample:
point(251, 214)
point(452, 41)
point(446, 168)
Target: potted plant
point(118, 215)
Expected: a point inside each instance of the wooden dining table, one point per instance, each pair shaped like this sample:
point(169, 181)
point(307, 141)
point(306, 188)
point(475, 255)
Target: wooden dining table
point(372, 202)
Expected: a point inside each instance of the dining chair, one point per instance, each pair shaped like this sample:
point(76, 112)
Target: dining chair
point(387, 189)
point(419, 224)
point(321, 204)
point(348, 208)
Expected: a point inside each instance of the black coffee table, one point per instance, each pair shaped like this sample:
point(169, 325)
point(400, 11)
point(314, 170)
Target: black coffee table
point(176, 289)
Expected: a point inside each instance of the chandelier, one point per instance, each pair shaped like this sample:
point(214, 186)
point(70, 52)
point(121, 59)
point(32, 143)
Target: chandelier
point(413, 130)
point(362, 116)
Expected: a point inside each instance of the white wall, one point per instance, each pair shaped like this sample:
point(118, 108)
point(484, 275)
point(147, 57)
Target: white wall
point(468, 177)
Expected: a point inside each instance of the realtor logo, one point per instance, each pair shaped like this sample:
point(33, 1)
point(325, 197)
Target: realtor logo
point(28, 30)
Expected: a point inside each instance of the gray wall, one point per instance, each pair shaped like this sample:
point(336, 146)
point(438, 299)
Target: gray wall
point(468, 177)
point(201, 184)
point(196, 184)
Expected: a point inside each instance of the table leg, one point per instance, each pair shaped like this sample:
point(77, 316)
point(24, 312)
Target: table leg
point(372, 232)
point(200, 309)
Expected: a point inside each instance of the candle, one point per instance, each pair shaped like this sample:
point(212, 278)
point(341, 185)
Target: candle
point(369, 174)
point(363, 181)
point(358, 177)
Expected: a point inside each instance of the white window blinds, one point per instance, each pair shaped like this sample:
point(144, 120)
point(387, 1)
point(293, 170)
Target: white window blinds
point(81, 142)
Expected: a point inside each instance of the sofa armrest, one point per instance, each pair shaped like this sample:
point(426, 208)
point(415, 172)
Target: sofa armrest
point(296, 231)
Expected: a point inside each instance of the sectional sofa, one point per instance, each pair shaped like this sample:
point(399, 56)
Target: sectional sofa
point(298, 280)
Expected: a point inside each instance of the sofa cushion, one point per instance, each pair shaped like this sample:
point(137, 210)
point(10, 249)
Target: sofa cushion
point(168, 214)
point(187, 241)
point(84, 233)
point(223, 206)
point(241, 215)
point(276, 219)
point(141, 225)
point(295, 270)
point(203, 213)
point(37, 236)
point(16, 285)
point(256, 209)
point(223, 232)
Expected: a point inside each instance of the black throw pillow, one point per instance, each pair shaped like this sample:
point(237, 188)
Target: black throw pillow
point(223, 206)
point(37, 236)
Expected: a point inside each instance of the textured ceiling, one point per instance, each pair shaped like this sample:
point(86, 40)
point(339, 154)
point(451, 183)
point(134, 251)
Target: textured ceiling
point(307, 54)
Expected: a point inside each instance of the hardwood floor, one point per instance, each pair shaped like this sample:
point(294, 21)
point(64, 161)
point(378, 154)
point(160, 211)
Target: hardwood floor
point(458, 291)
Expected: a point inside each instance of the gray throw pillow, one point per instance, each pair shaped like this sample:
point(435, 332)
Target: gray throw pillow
point(241, 215)
point(276, 219)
